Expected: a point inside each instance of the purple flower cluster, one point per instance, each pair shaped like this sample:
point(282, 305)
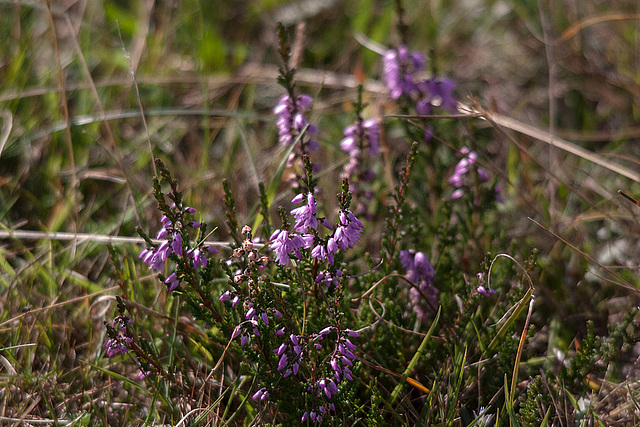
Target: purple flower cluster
point(486, 291)
point(318, 412)
point(328, 278)
point(261, 394)
point(461, 179)
point(305, 215)
point(171, 237)
point(118, 341)
point(340, 361)
point(255, 312)
point(360, 137)
point(292, 121)
point(398, 69)
point(253, 316)
point(420, 271)
point(291, 355)
point(436, 93)
point(285, 245)
point(345, 235)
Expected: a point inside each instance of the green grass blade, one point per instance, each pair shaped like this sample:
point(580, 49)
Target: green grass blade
point(414, 359)
point(121, 378)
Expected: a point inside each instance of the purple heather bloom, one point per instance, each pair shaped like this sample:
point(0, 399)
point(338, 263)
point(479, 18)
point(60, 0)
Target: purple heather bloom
point(176, 244)
point(235, 301)
point(162, 234)
point(328, 278)
point(291, 119)
point(420, 271)
point(283, 362)
point(487, 292)
point(457, 194)
point(352, 333)
point(320, 253)
point(236, 332)
point(326, 224)
point(199, 258)
point(281, 349)
point(172, 281)
point(261, 394)
point(398, 67)
point(348, 232)
point(143, 374)
point(438, 93)
point(460, 179)
point(117, 345)
point(326, 330)
point(367, 132)
point(305, 215)
point(284, 245)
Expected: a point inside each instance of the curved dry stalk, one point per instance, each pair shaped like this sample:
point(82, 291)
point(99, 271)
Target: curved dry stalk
point(541, 135)
point(625, 284)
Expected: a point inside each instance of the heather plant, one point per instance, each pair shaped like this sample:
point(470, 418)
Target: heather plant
point(343, 238)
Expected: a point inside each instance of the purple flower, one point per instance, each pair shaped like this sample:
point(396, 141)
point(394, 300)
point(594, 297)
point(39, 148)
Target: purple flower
point(487, 292)
point(117, 345)
point(291, 119)
point(329, 279)
point(360, 134)
point(305, 215)
point(461, 179)
point(176, 244)
point(199, 258)
point(437, 93)
point(348, 232)
point(261, 394)
point(283, 362)
point(172, 281)
point(398, 67)
point(284, 245)
point(420, 271)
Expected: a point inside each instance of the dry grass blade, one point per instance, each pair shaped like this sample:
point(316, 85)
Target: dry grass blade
point(576, 28)
point(625, 283)
point(628, 197)
point(543, 136)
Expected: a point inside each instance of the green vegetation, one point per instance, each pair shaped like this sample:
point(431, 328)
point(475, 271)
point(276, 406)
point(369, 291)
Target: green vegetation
point(528, 317)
